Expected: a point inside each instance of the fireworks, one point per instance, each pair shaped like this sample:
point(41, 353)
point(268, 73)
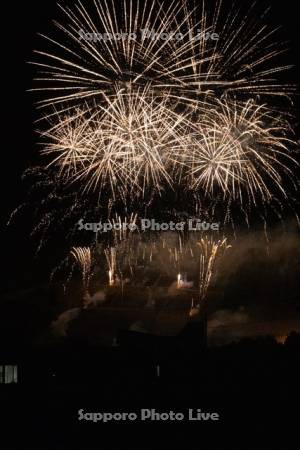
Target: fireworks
point(103, 47)
point(135, 258)
point(209, 251)
point(139, 110)
point(84, 260)
point(111, 261)
point(240, 150)
point(132, 261)
point(127, 147)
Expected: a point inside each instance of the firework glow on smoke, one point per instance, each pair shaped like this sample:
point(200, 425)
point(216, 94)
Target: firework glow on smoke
point(187, 263)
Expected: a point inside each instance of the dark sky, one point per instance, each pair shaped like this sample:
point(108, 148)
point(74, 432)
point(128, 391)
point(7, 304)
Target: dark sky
point(23, 20)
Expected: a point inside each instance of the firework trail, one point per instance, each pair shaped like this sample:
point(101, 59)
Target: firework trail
point(111, 261)
point(83, 258)
point(209, 251)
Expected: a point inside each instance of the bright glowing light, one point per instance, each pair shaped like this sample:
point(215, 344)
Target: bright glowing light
point(179, 281)
point(111, 277)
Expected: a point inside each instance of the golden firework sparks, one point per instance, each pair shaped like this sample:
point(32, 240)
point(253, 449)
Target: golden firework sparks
point(83, 258)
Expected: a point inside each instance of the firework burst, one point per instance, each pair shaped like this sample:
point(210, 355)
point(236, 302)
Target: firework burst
point(126, 147)
point(241, 150)
point(137, 111)
point(104, 47)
